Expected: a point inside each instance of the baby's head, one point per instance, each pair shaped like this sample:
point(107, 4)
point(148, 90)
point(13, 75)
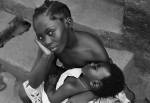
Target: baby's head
point(104, 79)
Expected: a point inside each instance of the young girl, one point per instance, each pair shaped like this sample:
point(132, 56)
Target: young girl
point(101, 78)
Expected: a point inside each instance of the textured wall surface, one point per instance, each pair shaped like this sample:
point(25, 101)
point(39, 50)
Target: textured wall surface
point(21, 52)
point(105, 15)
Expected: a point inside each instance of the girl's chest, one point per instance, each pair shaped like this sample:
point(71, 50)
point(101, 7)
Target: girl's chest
point(75, 58)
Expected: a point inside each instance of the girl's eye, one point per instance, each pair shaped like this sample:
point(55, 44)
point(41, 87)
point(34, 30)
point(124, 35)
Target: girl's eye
point(41, 38)
point(51, 33)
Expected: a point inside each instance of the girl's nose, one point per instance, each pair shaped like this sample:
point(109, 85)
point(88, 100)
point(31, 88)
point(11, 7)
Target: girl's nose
point(48, 39)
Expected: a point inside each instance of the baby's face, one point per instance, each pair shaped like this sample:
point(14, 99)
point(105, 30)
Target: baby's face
point(95, 71)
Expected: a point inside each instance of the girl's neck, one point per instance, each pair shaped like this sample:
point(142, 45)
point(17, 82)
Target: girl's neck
point(71, 38)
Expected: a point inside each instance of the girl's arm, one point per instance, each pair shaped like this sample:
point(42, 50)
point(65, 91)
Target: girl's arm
point(39, 55)
point(19, 73)
point(42, 67)
point(38, 72)
point(41, 70)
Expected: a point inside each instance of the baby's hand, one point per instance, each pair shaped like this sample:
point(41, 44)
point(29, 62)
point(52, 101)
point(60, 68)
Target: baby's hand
point(50, 84)
point(44, 49)
point(53, 79)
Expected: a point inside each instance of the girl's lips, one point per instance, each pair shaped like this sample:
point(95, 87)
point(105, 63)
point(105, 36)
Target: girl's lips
point(52, 48)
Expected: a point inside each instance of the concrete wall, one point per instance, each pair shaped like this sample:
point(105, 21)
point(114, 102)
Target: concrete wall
point(97, 14)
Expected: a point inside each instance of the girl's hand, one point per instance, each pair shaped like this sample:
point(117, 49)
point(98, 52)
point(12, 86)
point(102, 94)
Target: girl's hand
point(44, 49)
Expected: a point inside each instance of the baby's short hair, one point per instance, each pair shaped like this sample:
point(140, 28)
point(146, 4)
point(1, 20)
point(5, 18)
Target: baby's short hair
point(112, 84)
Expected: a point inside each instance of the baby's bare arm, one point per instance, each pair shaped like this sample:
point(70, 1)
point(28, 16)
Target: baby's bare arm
point(72, 86)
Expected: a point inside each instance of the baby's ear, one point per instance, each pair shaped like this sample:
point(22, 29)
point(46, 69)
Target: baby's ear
point(96, 84)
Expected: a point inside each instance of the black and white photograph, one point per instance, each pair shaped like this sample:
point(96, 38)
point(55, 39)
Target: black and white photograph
point(74, 51)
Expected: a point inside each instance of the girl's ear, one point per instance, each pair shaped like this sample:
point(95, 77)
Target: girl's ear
point(68, 22)
point(96, 84)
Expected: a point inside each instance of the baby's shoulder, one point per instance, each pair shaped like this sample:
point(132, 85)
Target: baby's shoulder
point(71, 79)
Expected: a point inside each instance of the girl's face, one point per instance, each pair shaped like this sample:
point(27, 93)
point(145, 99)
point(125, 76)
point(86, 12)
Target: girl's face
point(51, 33)
point(95, 71)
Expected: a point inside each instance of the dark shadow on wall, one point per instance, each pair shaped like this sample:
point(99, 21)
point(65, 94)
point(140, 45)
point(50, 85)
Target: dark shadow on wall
point(135, 38)
point(136, 29)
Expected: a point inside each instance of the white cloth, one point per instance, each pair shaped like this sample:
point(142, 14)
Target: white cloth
point(76, 72)
point(35, 95)
point(42, 96)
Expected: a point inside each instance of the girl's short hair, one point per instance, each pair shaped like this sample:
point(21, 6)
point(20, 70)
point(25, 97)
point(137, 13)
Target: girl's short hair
point(53, 8)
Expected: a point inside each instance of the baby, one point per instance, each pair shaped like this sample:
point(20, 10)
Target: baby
point(100, 78)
